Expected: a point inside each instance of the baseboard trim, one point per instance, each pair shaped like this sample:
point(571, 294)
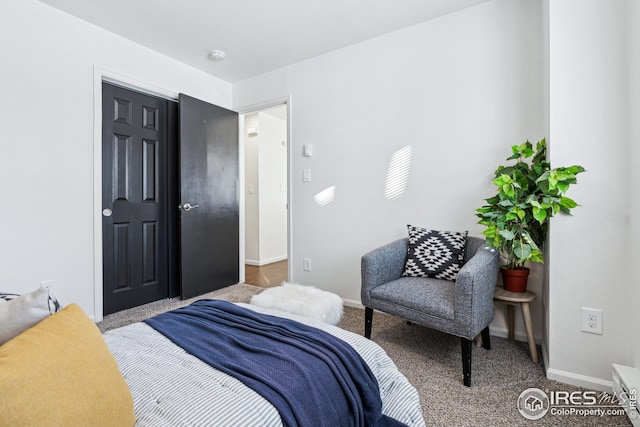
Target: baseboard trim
point(545, 355)
point(572, 378)
point(579, 380)
point(565, 377)
point(260, 263)
point(502, 332)
point(352, 303)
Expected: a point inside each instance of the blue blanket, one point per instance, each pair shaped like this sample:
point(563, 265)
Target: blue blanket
point(311, 377)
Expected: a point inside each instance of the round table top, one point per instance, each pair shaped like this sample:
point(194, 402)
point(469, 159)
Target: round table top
point(501, 294)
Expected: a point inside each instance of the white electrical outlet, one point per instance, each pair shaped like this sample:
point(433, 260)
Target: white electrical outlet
point(592, 320)
point(306, 264)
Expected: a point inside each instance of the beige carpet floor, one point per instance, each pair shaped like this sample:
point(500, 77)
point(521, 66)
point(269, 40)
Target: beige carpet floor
point(431, 362)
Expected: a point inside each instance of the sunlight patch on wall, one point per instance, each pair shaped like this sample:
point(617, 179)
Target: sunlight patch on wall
point(325, 196)
point(398, 173)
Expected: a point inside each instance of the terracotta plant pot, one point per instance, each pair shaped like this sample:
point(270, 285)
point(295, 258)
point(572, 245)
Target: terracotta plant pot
point(515, 280)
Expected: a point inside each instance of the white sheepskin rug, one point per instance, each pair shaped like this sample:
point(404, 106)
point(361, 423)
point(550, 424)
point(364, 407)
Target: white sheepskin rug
point(304, 300)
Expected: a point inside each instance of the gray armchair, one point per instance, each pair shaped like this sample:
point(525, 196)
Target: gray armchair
point(464, 308)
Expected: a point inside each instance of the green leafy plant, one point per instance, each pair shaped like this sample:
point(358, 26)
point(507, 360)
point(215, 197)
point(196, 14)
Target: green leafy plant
point(529, 194)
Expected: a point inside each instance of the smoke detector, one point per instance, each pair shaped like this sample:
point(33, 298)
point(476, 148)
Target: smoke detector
point(217, 55)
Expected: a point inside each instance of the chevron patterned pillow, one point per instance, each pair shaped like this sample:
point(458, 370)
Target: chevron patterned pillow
point(436, 254)
point(4, 297)
point(20, 312)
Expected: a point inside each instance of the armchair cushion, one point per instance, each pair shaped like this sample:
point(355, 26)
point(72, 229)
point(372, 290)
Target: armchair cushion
point(413, 296)
point(435, 254)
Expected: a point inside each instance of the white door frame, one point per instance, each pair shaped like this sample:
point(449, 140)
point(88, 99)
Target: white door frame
point(243, 111)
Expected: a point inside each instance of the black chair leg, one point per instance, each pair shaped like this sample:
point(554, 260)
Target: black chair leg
point(466, 345)
point(368, 319)
point(486, 341)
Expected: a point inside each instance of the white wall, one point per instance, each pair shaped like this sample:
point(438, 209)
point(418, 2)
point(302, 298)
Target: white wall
point(273, 188)
point(460, 89)
point(589, 252)
point(47, 140)
point(266, 189)
point(251, 192)
point(544, 294)
point(633, 27)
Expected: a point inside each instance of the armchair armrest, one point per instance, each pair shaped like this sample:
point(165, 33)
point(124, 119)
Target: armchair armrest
point(382, 265)
point(475, 285)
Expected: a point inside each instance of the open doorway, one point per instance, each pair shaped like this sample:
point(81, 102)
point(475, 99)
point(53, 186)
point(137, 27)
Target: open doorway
point(266, 190)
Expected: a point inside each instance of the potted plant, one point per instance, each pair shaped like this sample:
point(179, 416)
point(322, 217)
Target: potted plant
point(530, 192)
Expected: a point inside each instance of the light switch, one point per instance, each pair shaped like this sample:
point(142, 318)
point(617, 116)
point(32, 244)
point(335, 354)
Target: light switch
point(306, 175)
point(307, 150)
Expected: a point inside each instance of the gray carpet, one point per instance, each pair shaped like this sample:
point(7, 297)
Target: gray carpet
point(431, 361)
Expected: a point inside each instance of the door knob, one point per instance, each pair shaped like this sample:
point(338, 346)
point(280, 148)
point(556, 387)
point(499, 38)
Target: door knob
point(188, 206)
point(107, 212)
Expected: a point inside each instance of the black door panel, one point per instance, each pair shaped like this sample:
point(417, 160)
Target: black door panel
point(209, 233)
point(157, 155)
point(134, 198)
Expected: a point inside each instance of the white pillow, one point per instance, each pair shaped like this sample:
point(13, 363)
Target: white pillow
point(4, 297)
point(25, 311)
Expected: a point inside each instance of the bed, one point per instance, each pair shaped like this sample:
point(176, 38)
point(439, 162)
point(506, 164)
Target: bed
point(58, 369)
point(172, 387)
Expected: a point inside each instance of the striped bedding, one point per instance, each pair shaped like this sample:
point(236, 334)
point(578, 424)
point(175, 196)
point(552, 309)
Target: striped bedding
point(173, 388)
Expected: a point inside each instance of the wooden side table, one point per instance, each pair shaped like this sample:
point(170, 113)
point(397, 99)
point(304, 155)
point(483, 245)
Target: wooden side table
point(522, 299)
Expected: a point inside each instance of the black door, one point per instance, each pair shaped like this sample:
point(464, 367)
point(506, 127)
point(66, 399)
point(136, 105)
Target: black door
point(209, 215)
point(135, 198)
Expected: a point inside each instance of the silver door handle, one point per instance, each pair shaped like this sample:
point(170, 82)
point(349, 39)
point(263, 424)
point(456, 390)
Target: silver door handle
point(188, 206)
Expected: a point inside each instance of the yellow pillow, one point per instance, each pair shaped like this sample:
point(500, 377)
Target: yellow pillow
point(61, 373)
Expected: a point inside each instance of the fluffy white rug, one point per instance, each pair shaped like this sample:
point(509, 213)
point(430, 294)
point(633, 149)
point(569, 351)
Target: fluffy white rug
point(304, 300)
